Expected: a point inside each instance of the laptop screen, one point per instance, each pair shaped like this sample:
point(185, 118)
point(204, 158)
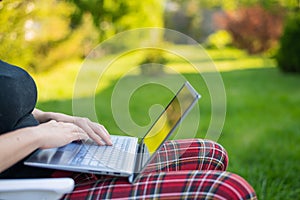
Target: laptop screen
point(167, 122)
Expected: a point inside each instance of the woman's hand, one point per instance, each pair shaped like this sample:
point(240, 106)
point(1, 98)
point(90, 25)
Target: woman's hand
point(56, 134)
point(95, 131)
point(18, 144)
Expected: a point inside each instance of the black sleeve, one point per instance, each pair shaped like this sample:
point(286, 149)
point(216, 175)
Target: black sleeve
point(18, 97)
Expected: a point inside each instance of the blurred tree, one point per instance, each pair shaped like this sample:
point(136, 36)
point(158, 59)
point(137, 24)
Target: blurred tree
point(253, 28)
point(113, 16)
point(36, 34)
point(39, 34)
point(234, 4)
point(196, 18)
point(287, 57)
point(12, 32)
point(255, 25)
point(185, 17)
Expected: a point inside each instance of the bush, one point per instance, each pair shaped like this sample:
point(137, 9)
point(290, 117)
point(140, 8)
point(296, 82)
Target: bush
point(153, 63)
point(219, 40)
point(287, 57)
point(254, 28)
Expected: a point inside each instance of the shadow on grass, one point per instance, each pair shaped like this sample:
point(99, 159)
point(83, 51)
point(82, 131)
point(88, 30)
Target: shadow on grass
point(140, 104)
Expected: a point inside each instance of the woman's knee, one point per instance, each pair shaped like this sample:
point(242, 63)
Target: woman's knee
point(198, 185)
point(216, 154)
point(209, 185)
point(232, 186)
point(189, 154)
point(209, 154)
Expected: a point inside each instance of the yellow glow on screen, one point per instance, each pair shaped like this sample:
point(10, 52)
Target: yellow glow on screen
point(163, 126)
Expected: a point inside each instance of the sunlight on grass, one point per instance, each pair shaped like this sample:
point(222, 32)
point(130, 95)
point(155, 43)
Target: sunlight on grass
point(59, 83)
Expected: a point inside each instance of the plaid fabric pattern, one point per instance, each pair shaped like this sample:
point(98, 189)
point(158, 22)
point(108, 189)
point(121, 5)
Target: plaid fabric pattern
point(168, 185)
point(183, 169)
point(189, 154)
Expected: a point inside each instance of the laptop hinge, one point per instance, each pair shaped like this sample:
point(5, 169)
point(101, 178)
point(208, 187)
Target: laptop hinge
point(138, 163)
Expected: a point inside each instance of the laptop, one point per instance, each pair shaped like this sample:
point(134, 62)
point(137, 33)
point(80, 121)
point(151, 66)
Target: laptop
point(128, 156)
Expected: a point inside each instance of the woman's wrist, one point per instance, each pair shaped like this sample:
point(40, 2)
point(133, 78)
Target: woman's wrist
point(38, 139)
point(31, 137)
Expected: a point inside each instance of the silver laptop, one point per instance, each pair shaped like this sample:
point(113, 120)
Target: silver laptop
point(129, 156)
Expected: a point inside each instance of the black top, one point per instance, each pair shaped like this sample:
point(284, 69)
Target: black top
point(18, 96)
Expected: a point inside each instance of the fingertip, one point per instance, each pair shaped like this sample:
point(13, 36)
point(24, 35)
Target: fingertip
point(107, 138)
point(102, 134)
point(109, 143)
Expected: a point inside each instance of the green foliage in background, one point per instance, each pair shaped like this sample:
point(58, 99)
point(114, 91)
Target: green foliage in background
point(36, 34)
point(111, 17)
point(185, 17)
point(234, 4)
point(153, 63)
point(254, 28)
point(288, 58)
point(40, 34)
point(219, 40)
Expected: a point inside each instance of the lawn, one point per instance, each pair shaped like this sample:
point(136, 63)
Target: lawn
point(261, 131)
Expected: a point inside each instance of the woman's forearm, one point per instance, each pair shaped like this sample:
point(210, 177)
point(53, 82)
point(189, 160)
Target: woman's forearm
point(55, 130)
point(16, 145)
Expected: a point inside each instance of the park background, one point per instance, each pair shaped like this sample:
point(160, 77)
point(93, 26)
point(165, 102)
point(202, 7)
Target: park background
point(253, 43)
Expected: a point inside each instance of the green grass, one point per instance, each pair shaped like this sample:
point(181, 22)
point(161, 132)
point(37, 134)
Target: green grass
point(261, 131)
point(59, 83)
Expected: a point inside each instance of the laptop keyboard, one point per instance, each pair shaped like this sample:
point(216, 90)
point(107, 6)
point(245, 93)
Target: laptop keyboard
point(109, 156)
